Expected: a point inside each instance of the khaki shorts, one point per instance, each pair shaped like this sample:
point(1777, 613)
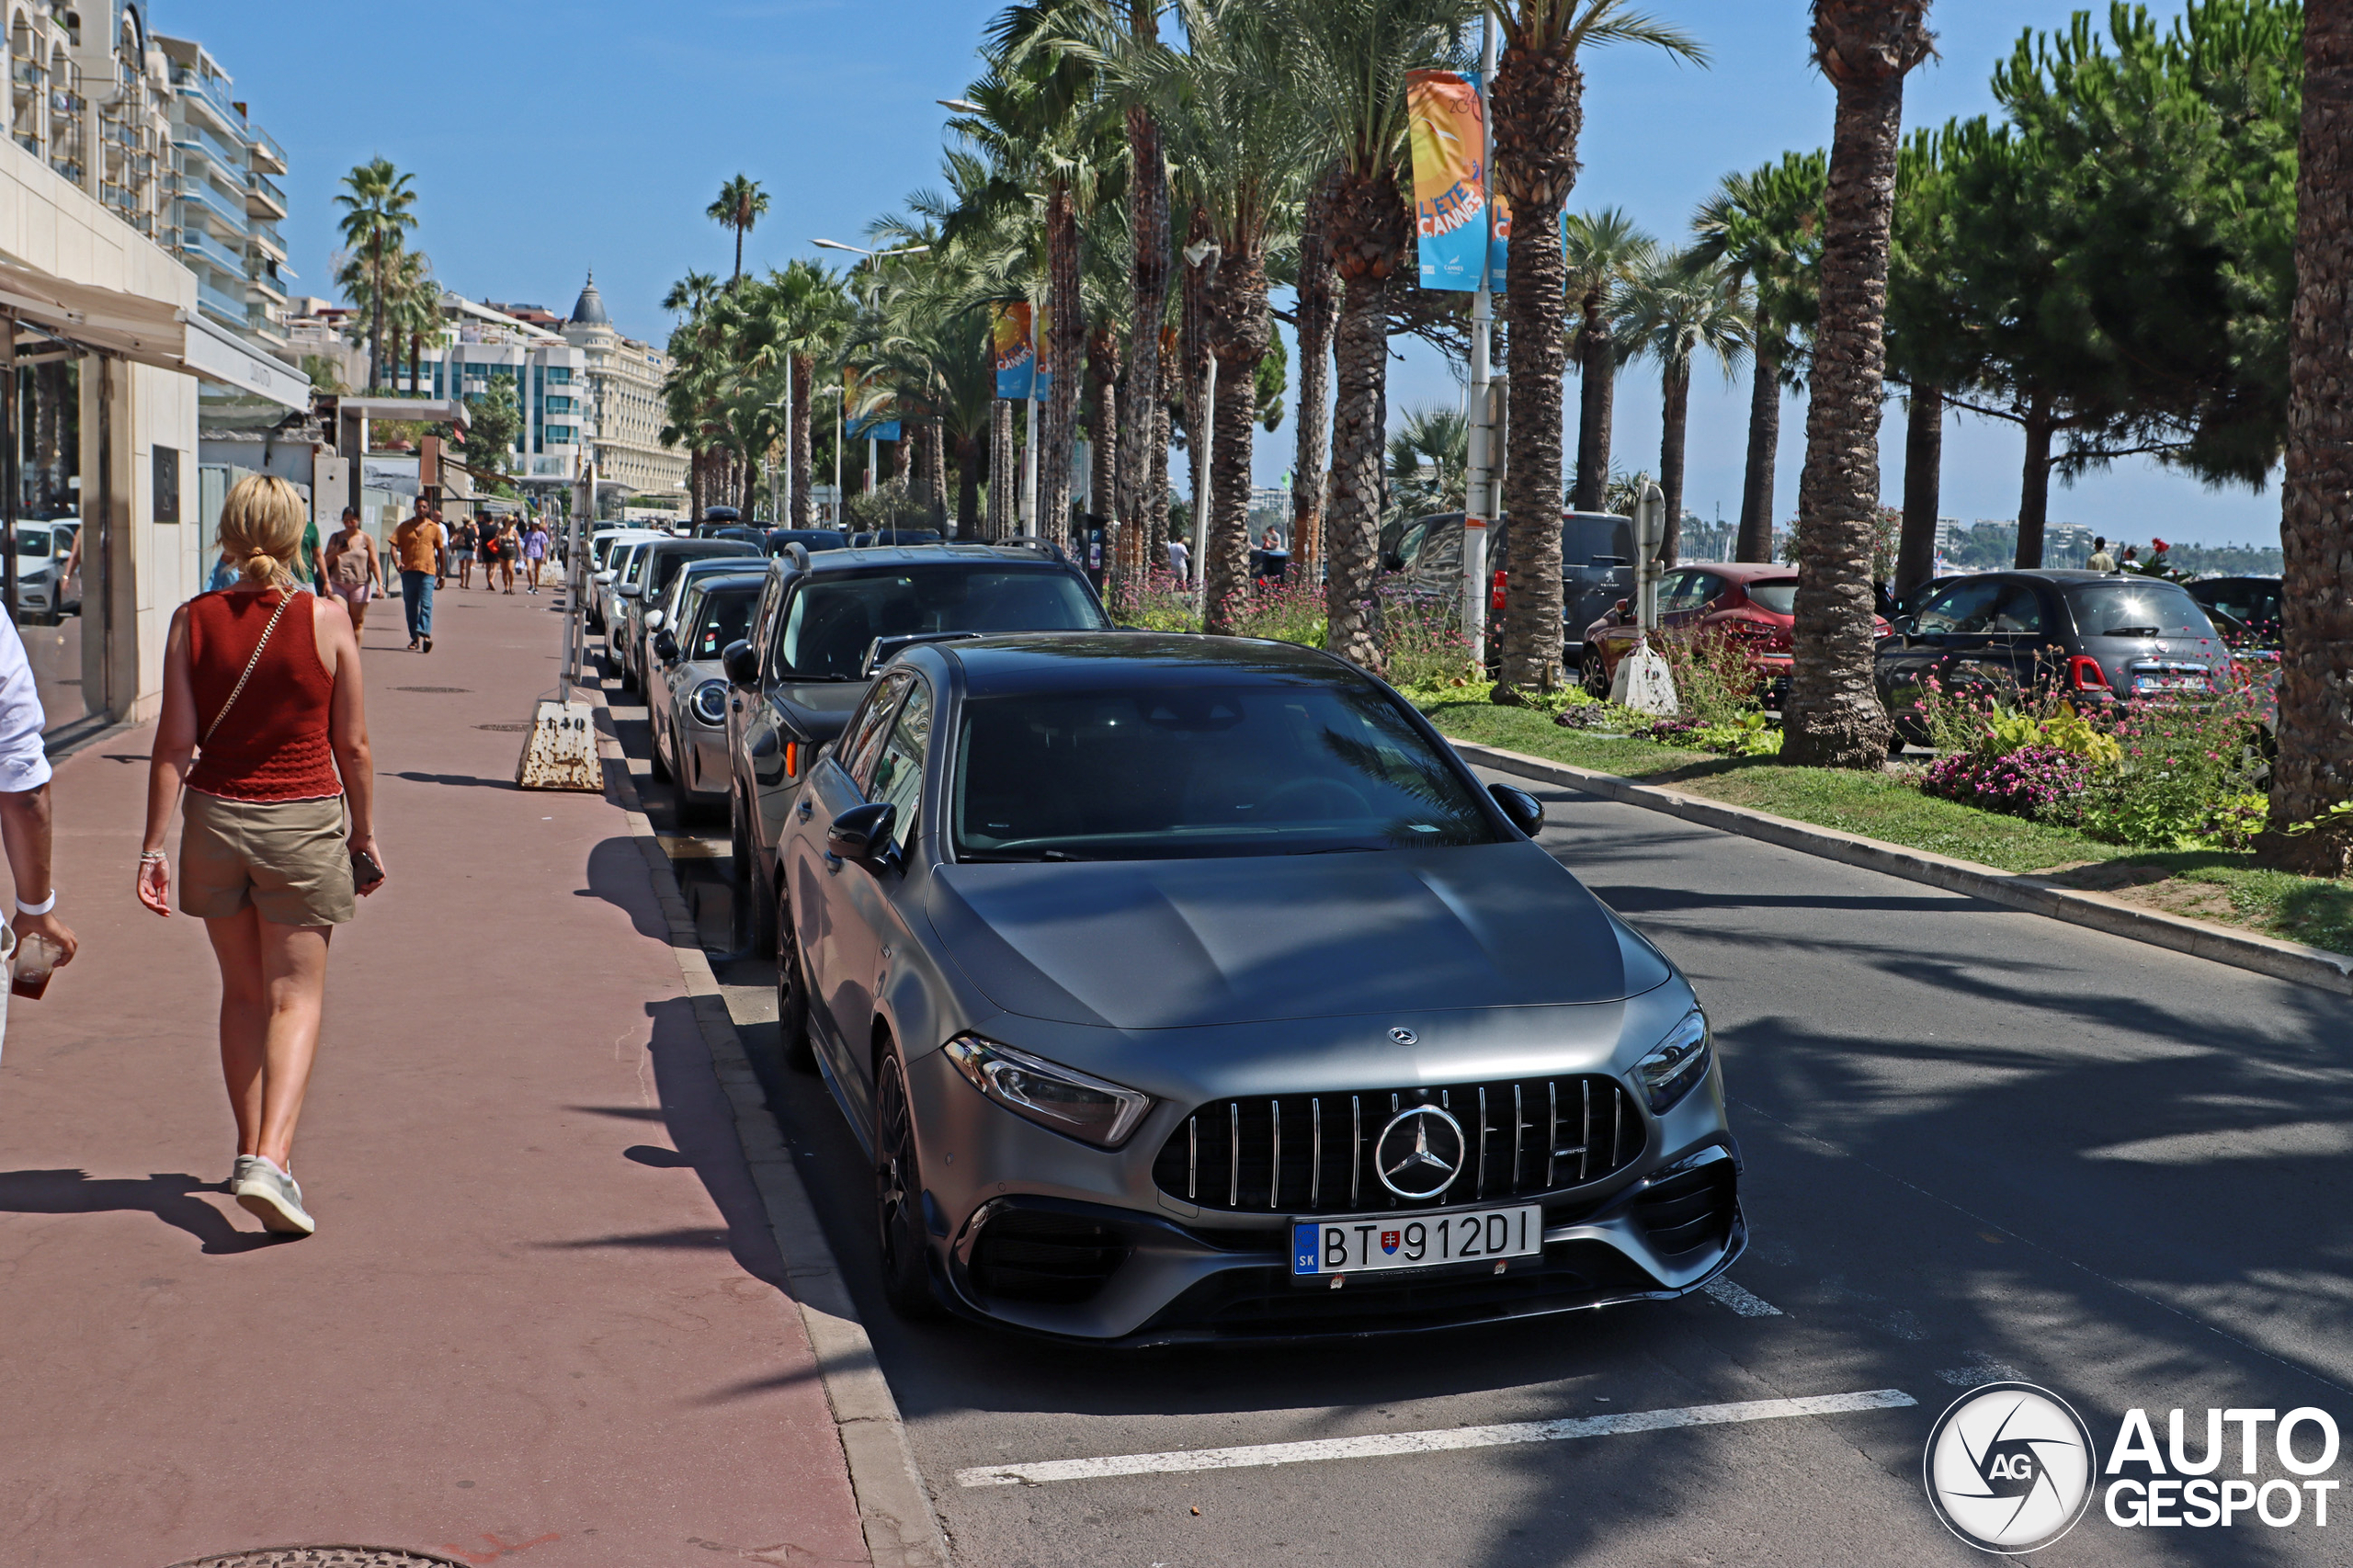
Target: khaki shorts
point(288, 858)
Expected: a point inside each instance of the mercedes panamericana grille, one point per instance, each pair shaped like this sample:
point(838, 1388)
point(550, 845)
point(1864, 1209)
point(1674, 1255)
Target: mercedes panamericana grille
point(1189, 988)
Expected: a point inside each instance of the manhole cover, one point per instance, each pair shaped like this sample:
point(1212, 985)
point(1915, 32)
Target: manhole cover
point(321, 1557)
point(433, 689)
point(502, 726)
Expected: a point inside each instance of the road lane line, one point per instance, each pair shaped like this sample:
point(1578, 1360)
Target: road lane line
point(1740, 1300)
point(1440, 1441)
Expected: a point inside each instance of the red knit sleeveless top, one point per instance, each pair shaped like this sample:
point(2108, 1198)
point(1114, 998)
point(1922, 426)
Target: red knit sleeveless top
point(273, 745)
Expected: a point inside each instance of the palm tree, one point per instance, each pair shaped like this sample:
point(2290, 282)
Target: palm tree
point(1238, 142)
point(414, 311)
point(1765, 228)
point(814, 318)
point(1865, 48)
point(1429, 460)
point(1316, 312)
point(1140, 397)
point(2314, 775)
point(1679, 307)
point(376, 220)
point(1348, 61)
point(741, 204)
point(1602, 252)
point(1537, 104)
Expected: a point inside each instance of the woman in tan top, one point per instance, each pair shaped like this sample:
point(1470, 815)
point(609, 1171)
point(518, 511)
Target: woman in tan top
point(263, 726)
point(352, 570)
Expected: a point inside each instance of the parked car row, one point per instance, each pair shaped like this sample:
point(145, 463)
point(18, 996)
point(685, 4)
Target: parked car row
point(1177, 988)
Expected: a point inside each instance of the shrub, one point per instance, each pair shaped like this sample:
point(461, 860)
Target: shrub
point(2178, 759)
point(2041, 782)
point(1714, 682)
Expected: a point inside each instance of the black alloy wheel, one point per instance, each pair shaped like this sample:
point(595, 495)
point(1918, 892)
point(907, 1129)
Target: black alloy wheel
point(791, 999)
point(1596, 671)
point(898, 1200)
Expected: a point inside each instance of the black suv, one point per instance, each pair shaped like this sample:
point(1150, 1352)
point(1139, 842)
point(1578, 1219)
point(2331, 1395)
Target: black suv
point(827, 622)
point(2096, 636)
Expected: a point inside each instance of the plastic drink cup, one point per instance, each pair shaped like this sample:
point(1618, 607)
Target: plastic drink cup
point(36, 961)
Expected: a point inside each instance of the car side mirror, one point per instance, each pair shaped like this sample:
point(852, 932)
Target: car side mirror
point(630, 590)
point(742, 666)
point(1392, 561)
point(666, 647)
point(1901, 626)
point(1526, 811)
point(653, 618)
point(860, 833)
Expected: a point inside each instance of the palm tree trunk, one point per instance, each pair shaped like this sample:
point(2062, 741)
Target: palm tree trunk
point(1537, 104)
point(2314, 770)
point(415, 357)
point(1675, 416)
point(1103, 430)
point(1194, 343)
point(935, 476)
point(1368, 227)
point(1239, 331)
point(969, 452)
point(1148, 223)
point(804, 375)
point(1924, 457)
point(1155, 507)
point(1317, 310)
point(376, 323)
point(736, 282)
point(1001, 480)
point(1763, 440)
point(2034, 483)
point(1835, 719)
point(1066, 327)
point(1596, 407)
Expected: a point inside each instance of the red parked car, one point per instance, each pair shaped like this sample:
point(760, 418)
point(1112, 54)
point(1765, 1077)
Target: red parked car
point(1753, 604)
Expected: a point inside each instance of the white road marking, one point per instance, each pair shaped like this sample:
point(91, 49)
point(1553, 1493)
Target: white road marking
point(1441, 1441)
point(1982, 1368)
point(1740, 1300)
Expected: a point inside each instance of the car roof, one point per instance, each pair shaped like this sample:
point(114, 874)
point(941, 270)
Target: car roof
point(1743, 571)
point(969, 553)
point(1095, 661)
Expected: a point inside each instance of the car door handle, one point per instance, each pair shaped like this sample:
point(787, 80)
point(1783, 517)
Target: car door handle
point(833, 862)
point(805, 810)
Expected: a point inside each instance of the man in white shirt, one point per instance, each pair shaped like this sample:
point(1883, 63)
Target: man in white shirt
point(24, 803)
point(1181, 560)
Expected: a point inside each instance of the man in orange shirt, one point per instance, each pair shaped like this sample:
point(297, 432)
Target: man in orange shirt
point(416, 545)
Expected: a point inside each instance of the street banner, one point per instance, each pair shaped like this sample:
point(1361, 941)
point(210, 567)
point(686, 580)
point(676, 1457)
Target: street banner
point(879, 423)
point(1042, 346)
point(1449, 177)
point(1016, 361)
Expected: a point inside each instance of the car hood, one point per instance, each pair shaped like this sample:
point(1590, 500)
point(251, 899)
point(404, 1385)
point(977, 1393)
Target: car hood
point(1181, 944)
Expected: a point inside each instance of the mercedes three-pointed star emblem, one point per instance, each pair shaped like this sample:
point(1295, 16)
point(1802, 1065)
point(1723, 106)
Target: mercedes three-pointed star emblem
point(1419, 1153)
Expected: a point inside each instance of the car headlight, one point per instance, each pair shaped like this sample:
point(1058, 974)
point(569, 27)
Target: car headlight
point(710, 703)
point(1061, 1100)
point(1675, 1065)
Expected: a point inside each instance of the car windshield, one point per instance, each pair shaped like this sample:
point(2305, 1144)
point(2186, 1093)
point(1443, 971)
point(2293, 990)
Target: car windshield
point(726, 617)
point(633, 563)
point(1779, 596)
point(834, 617)
point(667, 566)
point(1190, 771)
point(32, 541)
point(2119, 608)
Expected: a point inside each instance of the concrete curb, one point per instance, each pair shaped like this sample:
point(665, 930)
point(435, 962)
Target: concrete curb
point(2037, 895)
point(894, 1507)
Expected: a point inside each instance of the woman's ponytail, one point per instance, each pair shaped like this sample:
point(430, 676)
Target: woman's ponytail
point(261, 526)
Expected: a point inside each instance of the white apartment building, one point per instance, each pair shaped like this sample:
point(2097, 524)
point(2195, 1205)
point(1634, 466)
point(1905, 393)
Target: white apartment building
point(550, 376)
point(625, 380)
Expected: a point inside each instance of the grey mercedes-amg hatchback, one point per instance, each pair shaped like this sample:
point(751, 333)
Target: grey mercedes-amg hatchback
point(1188, 988)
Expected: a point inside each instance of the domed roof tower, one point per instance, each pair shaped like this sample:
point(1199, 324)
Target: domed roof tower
point(589, 310)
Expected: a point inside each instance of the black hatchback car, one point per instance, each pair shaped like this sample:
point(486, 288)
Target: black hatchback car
point(2098, 637)
point(827, 621)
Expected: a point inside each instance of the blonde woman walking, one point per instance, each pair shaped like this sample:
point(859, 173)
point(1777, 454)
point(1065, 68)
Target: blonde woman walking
point(264, 725)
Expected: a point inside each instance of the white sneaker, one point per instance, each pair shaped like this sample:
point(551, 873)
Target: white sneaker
point(271, 1196)
point(237, 1171)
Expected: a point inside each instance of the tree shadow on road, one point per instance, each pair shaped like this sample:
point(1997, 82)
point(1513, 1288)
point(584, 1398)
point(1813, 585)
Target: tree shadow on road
point(170, 1197)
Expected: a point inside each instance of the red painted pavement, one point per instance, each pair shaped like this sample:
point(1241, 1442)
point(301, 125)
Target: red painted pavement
point(538, 1324)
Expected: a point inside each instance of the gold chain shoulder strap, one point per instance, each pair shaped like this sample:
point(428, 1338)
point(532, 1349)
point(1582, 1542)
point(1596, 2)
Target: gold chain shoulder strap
point(287, 597)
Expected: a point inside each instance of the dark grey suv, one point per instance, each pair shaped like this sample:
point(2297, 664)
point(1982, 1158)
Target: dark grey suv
point(2099, 637)
point(825, 621)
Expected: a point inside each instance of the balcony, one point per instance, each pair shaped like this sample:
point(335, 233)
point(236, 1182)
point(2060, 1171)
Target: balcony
point(232, 311)
point(211, 92)
point(195, 138)
point(263, 199)
point(28, 141)
point(27, 73)
point(265, 289)
point(196, 243)
point(68, 168)
point(269, 156)
point(204, 193)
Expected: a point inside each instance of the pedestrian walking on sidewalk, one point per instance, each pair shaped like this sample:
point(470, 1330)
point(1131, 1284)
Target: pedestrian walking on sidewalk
point(24, 821)
point(462, 550)
point(416, 545)
point(263, 745)
point(535, 550)
point(352, 570)
point(507, 551)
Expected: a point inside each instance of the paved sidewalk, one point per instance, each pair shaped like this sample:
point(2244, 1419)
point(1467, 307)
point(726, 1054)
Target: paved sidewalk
point(541, 1319)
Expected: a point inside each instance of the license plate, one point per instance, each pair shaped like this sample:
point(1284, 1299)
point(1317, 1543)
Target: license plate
point(2168, 682)
point(1371, 1244)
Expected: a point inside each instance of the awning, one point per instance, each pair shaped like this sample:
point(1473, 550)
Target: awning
point(149, 332)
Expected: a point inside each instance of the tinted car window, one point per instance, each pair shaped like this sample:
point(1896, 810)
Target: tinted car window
point(2147, 609)
point(1597, 542)
point(1965, 610)
point(2019, 610)
point(835, 617)
point(667, 566)
point(865, 735)
point(2257, 604)
point(32, 541)
point(634, 564)
point(1779, 596)
point(898, 773)
point(1190, 771)
point(726, 616)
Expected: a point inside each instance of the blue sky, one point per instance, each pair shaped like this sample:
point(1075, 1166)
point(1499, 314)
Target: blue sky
point(550, 138)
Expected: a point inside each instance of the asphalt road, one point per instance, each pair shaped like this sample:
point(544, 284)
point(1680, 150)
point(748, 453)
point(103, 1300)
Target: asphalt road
point(1979, 1145)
